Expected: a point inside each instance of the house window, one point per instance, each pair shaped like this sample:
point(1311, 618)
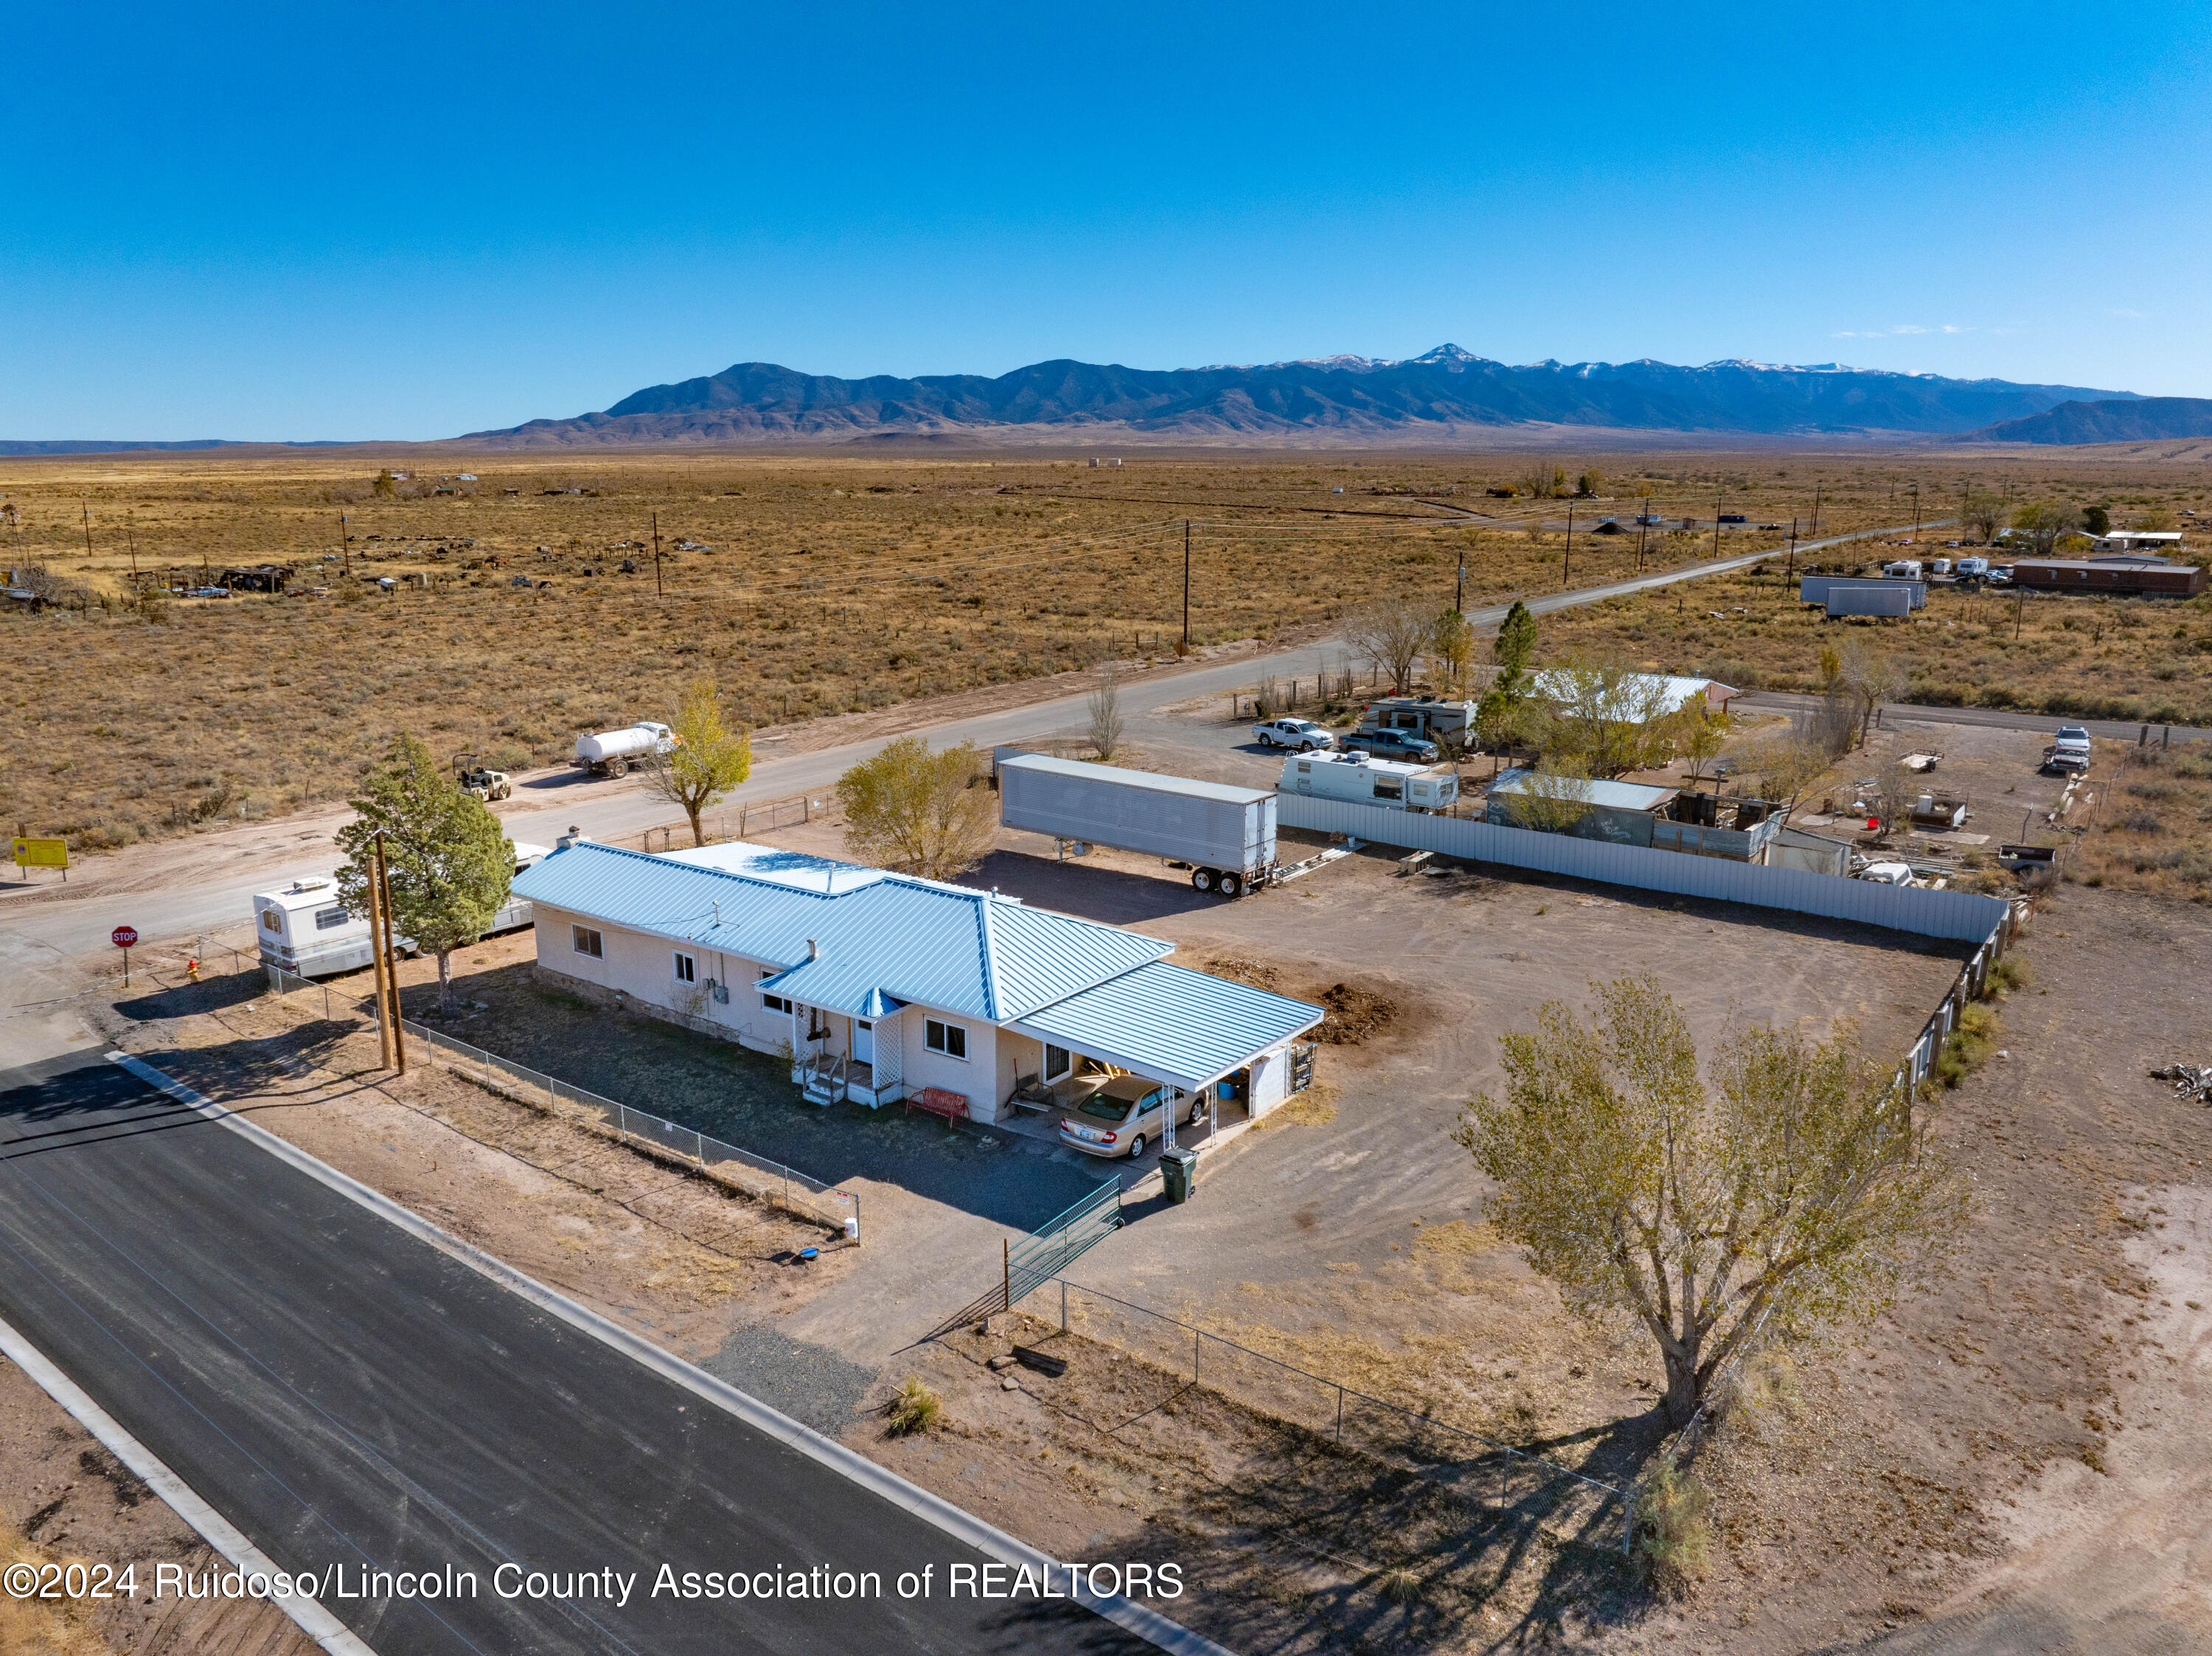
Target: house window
point(775, 1002)
point(328, 919)
point(949, 1039)
point(272, 920)
point(1388, 787)
point(1056, 1062)
point(588, 942)
point(687, 969)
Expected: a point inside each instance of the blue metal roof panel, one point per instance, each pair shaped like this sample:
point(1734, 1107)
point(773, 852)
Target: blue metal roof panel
point(1171, 1023)
point(962, 951)
point(1039, 957)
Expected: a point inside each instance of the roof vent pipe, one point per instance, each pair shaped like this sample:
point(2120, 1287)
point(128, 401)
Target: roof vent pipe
point(813, 949)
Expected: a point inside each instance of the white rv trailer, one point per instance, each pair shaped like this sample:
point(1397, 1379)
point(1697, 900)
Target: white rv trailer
point(306, 930)
point(1367, 782)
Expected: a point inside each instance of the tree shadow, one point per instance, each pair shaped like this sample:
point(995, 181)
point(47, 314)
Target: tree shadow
point(209, 994)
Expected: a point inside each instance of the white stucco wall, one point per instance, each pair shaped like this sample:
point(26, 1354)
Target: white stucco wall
point(642, 967)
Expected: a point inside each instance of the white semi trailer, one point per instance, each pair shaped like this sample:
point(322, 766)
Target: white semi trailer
point(610, 753)
point(1226, 834)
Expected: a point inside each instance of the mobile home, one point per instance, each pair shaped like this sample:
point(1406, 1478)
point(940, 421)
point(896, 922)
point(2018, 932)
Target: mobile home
point(1371, 782)
point(304, 928)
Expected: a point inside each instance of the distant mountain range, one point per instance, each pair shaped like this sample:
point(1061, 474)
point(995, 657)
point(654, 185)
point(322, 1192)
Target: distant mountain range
point(1447, 394)
point(19, 447)
point(1444, 397)
point(2116, 420)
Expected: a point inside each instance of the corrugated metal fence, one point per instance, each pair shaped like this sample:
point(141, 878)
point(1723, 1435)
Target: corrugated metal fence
point(1958, 916)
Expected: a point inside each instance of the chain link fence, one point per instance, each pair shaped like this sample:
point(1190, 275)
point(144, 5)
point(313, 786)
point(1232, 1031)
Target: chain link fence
point(757, 1176)
point(1479, 1470)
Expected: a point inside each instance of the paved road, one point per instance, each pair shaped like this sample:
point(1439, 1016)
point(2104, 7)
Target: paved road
point(1991, 718)
point(38, 939)
point(348, 1395)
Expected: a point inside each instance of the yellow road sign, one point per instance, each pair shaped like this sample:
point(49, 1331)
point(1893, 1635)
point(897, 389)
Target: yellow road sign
point(41, 853)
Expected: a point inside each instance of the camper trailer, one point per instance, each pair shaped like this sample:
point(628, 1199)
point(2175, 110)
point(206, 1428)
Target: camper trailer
point(1366, 781)
point(306, 930)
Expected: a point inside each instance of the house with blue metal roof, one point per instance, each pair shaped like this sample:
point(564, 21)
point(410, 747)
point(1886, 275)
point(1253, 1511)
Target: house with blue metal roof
point(878, 986)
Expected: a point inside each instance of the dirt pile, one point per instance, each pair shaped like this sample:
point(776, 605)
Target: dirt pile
point(1252, 973)
point(1355, 1015)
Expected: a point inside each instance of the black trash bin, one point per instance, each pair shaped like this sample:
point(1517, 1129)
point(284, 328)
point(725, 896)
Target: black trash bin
point(1179, 1172)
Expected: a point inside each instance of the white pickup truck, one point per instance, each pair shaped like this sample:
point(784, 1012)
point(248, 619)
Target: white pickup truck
point(1303, 734)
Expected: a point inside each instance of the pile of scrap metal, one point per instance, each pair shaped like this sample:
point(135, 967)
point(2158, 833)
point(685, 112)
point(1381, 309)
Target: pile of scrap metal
point(2189, 1080)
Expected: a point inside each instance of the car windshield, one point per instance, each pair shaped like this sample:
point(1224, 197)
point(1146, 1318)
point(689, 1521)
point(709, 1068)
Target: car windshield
point(1100, 1107)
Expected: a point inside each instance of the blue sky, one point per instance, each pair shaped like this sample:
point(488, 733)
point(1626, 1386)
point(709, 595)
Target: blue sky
point(410, 222)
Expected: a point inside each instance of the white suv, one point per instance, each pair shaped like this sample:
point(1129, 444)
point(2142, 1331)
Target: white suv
point(1300, 733)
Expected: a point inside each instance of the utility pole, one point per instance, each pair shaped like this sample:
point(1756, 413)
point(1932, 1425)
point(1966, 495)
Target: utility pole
point(1816, 512)
point(1186, 586)
point(133, 533)
point(1643, 532)
point(1792, 570)
point(376, 950)
point(390, 959)
point(1567, 558)
point(656, 556)
point(2019, 610)
point(88, 527)
point(1459, 592)
point(1916, 508)
point(1717, 491)
point(345, 554)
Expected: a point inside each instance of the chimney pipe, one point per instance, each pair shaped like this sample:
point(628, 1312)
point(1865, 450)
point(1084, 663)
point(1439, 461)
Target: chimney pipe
point(813, 949)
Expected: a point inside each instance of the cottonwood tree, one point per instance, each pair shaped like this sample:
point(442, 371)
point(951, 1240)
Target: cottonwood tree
point(1701, 731)
point(920, 812)
point(708, 759)
point(1553, 798)
point(1394, 632)
point(2043, 522)
point(1106, 722)
point(1786, 1178)
point(1608, 717)
point(449, 861)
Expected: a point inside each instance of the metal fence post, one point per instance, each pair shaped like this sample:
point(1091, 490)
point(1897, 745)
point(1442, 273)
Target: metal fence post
point(1063, 1305)
point(1195, 1337)
point(1339, 1414)
point(699, 1139)
point(1628, 1524)
point(326, 1004)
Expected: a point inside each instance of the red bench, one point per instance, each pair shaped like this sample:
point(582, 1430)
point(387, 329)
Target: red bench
point(937, 1100)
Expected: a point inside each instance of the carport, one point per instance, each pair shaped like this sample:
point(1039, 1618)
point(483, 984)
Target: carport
point(1188, 1029)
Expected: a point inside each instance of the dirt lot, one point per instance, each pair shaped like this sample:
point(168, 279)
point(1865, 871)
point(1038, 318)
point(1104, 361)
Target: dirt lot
point(64, 1499)
point(806, 589)
point(2015, 1460)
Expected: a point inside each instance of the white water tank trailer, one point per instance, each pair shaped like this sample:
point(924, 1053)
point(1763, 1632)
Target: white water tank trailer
point(610, 753)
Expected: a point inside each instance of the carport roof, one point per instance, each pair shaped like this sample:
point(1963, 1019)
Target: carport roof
point(1171, 1023)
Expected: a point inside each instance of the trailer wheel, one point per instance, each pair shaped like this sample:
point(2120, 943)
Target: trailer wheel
point(1231, 884)
point(1202, 878)
point(618, 767)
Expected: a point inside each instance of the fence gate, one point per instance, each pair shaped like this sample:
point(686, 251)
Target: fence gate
point(1042, 1255)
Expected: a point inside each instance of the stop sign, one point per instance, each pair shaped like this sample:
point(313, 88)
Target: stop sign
point(124, 935)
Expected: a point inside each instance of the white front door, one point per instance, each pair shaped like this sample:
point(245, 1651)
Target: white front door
point(863, 1041)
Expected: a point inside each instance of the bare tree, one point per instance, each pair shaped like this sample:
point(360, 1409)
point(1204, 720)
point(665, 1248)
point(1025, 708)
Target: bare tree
point(1394, 632)
point(1982, 514)
point(1544, 480)
point(1867, 677)
point(1106, 724)
point(1787, 1178)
